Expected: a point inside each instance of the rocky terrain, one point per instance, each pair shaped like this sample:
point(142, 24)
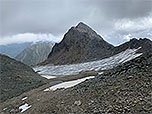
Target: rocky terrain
point(82, 44)
point(125, 89)
point(35, 54)
point(16, 78)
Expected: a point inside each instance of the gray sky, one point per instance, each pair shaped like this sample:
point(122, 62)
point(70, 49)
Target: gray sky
point(36, 20)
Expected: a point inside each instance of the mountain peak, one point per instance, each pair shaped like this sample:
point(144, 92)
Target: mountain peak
point(81, 24)
point(82, 27)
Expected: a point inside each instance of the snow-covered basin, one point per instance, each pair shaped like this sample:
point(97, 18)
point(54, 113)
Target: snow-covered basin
point(62, 70)
point(68, 84)
point(24, 107)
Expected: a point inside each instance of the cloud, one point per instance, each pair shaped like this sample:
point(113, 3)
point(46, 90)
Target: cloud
point(29, 37)
point(107, 17)
point(134, 25)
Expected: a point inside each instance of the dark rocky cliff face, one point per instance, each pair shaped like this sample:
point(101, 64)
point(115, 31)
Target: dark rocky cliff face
point(16, 78)
point(80, 44)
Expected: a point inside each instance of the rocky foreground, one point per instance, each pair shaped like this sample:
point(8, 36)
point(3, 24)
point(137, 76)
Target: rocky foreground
point(16, 78)
point(126, 89)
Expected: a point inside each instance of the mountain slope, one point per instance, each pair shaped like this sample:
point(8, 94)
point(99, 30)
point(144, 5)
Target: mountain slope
point(80, 44)
point(35, 54)
point(123, 89)
point(16, 78)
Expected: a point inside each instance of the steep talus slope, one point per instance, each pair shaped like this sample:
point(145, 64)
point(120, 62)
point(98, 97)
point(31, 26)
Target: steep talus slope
point(80, 44)
point(124, 89)
point(16, 78)
point(35, 54)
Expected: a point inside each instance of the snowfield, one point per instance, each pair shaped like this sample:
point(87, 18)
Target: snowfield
point(62, 70)
point(68, 84)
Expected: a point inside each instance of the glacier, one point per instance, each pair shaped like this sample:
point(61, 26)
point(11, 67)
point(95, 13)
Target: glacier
point(73, 69)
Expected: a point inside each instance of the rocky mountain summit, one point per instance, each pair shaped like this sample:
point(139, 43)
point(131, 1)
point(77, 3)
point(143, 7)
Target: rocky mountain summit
point(82, 44)
point(16, 78)
point(35, 54)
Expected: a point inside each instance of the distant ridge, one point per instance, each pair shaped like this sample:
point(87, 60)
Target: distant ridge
point(35, 54)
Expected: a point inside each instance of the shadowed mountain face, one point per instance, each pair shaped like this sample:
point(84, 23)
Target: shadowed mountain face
point(16, 78)
point(35, 54)
point(80, 44)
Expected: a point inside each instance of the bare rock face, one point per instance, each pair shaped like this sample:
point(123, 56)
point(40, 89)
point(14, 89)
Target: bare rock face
point(80, 44)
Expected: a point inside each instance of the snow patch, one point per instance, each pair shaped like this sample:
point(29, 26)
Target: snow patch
point(24, 98)
point(48, 76)
point(24, 107)
point(68, 84)
point(100, 73)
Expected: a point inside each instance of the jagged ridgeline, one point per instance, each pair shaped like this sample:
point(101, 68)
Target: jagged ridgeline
point(16, 78)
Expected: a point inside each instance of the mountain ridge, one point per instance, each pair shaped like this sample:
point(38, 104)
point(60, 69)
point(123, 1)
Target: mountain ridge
point(82, 44)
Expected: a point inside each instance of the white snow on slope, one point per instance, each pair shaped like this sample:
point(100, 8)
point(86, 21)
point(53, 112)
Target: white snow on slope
point(62, 70)
point(48, 76)
point(24, 98)
point(68, 84)
point(24, 107)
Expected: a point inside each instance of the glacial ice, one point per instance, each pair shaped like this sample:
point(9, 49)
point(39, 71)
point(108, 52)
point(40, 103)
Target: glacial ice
point(107, 63)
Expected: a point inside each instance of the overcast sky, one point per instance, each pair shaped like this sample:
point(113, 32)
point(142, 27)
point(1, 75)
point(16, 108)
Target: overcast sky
point(39, 20)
